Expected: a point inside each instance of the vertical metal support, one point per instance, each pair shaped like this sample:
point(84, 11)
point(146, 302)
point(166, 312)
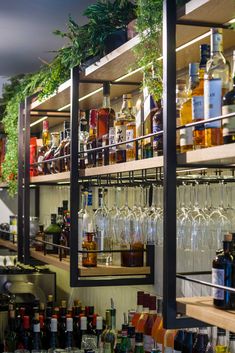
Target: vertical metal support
point(37, 201)
point(26, 179)
point(74, 174)
point(20, 182)
point(169, 153)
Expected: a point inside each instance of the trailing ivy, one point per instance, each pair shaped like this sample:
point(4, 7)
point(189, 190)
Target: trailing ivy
point(84, 42)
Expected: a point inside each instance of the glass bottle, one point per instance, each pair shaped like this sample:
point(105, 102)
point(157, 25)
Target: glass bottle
point(52, 235)
point(216, 85)
point(10, 336)
point(109, 338)
point(82, 141)
point(130, 131)
point(26, 337)
point(50, 166)
point(231, 348)
point(45, 133)
point(158, 331)
point(201, 341)
point(91, 142)
point(149, 110)
point(179, 340)
point(58, 167)
point(89, 259)
point(69, 343)
point(98, 330)
point(67, 151)
point(221, 343)
point(227, 108)
point(186, 135)
point(105, 124)
point(169, 340)
point(222, 274)
point(44, 148)
point(157, 123)
point(144, 315)
point(36, 339)
point(81, 213)
point(54, 342)
point(148, 340)
point(198, 100)
point(60, 218)
point(181, 97)
point(188, 341)
point(139, 344)
point(83, 330)
point(139, 309)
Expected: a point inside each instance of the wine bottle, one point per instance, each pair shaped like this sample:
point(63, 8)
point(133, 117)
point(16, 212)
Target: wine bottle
point(69, 342)
point(54, 342)
point(36, 339)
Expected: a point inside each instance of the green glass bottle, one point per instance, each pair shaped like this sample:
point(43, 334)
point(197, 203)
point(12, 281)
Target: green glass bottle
point(110, 335)
point(52, 235)
point(139, 344)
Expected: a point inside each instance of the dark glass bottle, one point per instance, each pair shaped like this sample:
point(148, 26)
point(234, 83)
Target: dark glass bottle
point(139, 344)
point(125, 342)
point(222, 274)
point(98, 330)
point(188, 342)
point(50, 166)
point(178, 341)
point(26, 337)
point(69, 342)
point(201, 341)
point(62, 324)
point(54, 342)
point(83, 330)
point(10, 339)
point(67, 151)
point(36, 337)
point(229, 107)
point(52, 235)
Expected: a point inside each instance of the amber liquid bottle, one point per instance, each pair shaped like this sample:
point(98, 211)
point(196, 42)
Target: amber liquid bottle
point(130, 131)
point(105, 123)
point(198, 100)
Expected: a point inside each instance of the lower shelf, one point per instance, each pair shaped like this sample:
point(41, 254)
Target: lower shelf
point(8, 244)
point(202, 308)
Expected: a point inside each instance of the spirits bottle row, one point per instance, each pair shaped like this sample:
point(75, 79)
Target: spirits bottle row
point(51, 327)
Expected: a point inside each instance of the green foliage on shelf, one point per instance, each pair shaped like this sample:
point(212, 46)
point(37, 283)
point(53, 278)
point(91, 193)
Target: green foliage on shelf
point(84, 42)
point(149, 25)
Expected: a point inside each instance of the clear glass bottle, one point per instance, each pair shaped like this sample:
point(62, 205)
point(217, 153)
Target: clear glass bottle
point(198, 100)
point(216, 85)
point(229, 107)
point(105, 123)
point(186, 135)
point(181, 97)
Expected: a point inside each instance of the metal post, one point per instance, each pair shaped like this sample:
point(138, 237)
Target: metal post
point(20, 183)
point(74, 188)
point(26, 179)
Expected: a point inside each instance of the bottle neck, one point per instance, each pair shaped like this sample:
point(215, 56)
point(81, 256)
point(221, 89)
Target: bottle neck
point(216, 43)
point(193, 81)
point(106, 102)
point(227, 246)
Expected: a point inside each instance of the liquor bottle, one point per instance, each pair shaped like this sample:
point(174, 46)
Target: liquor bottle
point(81, 214)
point(229, 107)
point(179, 341)
point(131, 335)
point(120, 125)
point(149, 110)
point(139, 125)
point(198, 100)
point(59, 164)
point(62, 324)
point(99, 329)
point(69, 342)
point(52, 235)
point(36, 339)
point(216, 85)
point(130, 131)
point(67, 150)
point(139, 344)
point(105, 123)
point(50, 301)
point(148, 340)
point(147, 145)
point(107, 320)
point(169, 340)
point(181, 97)
point(188, 341)
point(125, 341)
point(10, 337)
point(157, 124)
point(139, 309)
point(82, 141)
point(26, 337)
point(118, 342)
point(144, 315)
point(212, 335)
point(186, 135)
point(221, 344)
point(49, 168)
point(201, 341)
point(89, 259)
point(65, 235)
point(83, 330)
point(54, 342)
point(43, 331)
point(46, 339)
point(222, 268)
point(231, 342)
point(45, 133)
point(110, 335)
point(158, 331)
point(60, 218)
point(91, 142)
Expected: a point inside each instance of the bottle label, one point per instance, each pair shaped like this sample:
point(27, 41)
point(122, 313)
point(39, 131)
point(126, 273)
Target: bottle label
point(112, 137)
point(120, 136)
point(40, 166)
point(89, 199)
point(49, 239)
point(198, 110)
point(148, 343)
point(228, 124)
point(85, 254)
point(218, 278)
point(186, 137)
point(129, 136)
point(212, 101)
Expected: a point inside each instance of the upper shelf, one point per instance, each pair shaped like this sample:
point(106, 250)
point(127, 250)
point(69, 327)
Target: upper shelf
point(219, 155)
point(118, 63)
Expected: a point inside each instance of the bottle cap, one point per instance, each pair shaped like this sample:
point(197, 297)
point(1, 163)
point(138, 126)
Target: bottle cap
point(26, 322)
point(99, 323)
point(193, 69)
point(53, 324)
point(228, 237)
point(63, 304)
point(69, 324)
point(42, 306)
point(140, 298)
point(83, 323)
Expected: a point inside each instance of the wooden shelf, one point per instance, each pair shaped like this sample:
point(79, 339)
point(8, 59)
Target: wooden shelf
point(50, 178)
point(119, 62)
point(202, 308)
point(8, 244)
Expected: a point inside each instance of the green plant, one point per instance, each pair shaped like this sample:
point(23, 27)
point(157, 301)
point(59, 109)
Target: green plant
point(149, 25)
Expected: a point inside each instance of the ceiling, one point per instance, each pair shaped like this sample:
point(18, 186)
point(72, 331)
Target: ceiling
point(26, 28)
